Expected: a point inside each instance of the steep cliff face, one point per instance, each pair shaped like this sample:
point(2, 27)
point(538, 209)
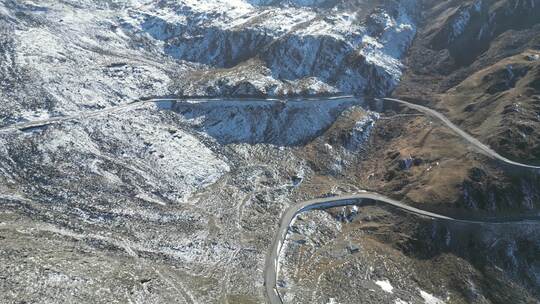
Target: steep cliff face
point(270, 122)
point(348, 50)
point(467, 28)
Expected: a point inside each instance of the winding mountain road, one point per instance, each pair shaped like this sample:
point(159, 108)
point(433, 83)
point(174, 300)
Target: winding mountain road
point(137, 103)
point(271, 269)
point(23, 126)
point(475, 142)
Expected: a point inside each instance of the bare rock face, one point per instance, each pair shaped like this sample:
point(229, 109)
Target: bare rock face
point(469, 27)
point(333, 45)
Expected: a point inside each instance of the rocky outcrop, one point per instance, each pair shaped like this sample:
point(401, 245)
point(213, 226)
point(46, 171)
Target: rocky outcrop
point(338, 47)
point(468, 28)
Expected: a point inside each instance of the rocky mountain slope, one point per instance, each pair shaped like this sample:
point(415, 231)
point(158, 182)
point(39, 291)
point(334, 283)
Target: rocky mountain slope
point(271, 48)
point(93, 54)
point(478, 62)
point(177, 201)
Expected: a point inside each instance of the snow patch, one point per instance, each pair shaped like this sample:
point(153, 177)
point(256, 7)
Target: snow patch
point(332, 301)
point(429, 298)
point(385, 285)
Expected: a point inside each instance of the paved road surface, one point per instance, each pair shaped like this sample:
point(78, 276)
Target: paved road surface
point(475, 142)
point(26, 125)
point(137, 103)
point(272, 262)
point(271, 269)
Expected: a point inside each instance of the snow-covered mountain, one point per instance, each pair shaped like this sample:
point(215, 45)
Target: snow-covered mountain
point(110, 196)
point(92, 54)
point(318, 51)
point(184, 198)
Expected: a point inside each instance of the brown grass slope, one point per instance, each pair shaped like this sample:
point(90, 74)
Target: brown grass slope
point(486, 78)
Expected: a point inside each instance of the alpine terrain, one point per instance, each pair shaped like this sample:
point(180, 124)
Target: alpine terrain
point(270, 151)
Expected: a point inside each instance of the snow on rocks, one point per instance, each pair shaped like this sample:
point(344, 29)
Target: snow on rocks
point(429, 298)
point(171, 160)
point(169, 182)
point(294, 43)
point(385, 286)
point(533, 57)
point(462, 18)
point(273, 122)
point(362, 131)
point(79, 59)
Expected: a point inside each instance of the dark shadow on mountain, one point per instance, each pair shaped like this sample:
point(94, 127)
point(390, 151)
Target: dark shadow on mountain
point(291, 123)
point(506, 255)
